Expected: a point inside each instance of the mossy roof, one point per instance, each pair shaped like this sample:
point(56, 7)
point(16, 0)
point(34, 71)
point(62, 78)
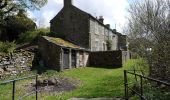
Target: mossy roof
point(62, 42)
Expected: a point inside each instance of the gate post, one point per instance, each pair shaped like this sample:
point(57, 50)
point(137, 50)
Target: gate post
point(36, 87)
point(141, 87)
point(70, 58)
point(13, 90)
point(126, 85)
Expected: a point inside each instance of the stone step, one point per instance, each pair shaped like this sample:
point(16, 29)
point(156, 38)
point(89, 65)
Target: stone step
point(96, 99)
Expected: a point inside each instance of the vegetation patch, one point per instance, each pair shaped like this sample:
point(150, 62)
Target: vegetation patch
point(7, 47)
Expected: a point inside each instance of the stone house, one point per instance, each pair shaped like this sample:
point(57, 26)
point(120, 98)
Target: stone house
point(85, 41)
point(86, 31)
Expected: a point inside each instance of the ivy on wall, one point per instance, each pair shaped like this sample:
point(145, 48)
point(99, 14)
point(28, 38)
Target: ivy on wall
point(109, 44)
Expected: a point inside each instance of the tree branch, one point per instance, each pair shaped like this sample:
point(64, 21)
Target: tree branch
point(2, 5)
point(9, 10)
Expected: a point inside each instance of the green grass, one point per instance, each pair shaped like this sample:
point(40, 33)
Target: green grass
point(95, 82)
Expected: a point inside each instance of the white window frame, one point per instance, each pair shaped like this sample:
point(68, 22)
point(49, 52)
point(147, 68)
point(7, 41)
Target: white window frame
point(96, 45)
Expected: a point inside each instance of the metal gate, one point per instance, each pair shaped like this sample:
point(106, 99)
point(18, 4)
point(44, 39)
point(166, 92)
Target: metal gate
point(34, 92)
point(65, 59)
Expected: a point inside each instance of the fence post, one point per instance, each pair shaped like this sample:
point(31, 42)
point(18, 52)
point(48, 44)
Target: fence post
point(13, 90)
point(135, 75)
point(141, 87)
point(36, 87)
point(126, 85)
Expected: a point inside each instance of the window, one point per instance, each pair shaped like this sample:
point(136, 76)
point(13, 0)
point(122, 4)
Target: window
point(102, 30)
point(106, 32)
point(96, 45)
point(104, 47)
point(92, 26)
point(96, 28)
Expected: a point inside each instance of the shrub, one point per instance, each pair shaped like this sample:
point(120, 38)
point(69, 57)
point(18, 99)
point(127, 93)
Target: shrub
point(59, 35)
point(7, 47)
point(32, 36)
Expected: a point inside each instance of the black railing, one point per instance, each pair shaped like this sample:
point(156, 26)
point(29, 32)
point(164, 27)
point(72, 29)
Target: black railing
point(14, 85)
point(140, 93)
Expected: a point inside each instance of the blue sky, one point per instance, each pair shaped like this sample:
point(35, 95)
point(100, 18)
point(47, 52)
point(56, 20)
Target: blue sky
point(113, 11)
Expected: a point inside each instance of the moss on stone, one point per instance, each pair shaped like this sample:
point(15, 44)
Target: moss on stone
point(62, 42)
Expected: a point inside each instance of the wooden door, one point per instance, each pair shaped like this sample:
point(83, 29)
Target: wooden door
point(73, 59)
point(66, 59)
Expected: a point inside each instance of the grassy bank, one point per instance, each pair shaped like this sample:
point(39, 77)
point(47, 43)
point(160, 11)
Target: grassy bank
point(95, 82)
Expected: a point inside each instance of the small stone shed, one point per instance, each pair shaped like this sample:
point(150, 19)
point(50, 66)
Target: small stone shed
point(60, 55)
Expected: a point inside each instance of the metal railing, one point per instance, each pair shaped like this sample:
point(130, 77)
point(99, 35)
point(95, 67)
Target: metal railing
point(14, 86)
point(141, 78)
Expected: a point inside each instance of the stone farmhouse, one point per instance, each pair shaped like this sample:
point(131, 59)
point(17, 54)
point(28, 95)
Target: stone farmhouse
point(86, 41)
point(83, 29)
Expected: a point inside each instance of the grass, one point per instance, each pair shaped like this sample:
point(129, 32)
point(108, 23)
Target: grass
point(95, 82)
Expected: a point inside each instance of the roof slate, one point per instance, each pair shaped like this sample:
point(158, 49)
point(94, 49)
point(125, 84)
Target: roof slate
point(62, 42)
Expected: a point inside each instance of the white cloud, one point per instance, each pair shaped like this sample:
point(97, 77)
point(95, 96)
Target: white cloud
point(113, 11)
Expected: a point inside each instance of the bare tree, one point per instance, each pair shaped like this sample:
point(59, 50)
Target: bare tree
point(149, 34)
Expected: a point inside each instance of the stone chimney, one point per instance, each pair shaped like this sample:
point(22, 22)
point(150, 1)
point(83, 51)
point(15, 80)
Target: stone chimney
point(108, 25)
point(114, 30)
point(101, 19)
point(68, 3)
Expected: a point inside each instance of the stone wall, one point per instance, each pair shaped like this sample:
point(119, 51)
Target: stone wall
point(125, 56)
point(16, 63)
point(99, 35)
point(53, 55)
point(108, 59)
point(73, 24)
point(82, 59)
point(50, 53)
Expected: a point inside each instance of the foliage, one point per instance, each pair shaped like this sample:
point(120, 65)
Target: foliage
point(57, 35)
point(9, 7)
point(149, 28)
point(8, 12)
point(7, 47)
point(15, 25)
point(151, 92)
point(137, 46)
point(32, 36)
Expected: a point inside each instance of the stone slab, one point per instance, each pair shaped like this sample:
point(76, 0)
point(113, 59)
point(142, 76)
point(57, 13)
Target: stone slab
point(95, 99)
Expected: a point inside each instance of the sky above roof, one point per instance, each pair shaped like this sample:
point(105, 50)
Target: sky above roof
point(113, 11)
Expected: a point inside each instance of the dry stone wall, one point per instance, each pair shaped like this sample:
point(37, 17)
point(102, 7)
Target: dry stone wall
point(16, 63)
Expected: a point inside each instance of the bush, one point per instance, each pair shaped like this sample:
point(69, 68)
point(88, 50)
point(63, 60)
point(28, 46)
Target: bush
point(7, 47)
point(57, 35)
point(32, 36)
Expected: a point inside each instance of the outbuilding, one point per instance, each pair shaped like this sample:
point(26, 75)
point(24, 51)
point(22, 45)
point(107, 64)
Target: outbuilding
point(60, 54)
